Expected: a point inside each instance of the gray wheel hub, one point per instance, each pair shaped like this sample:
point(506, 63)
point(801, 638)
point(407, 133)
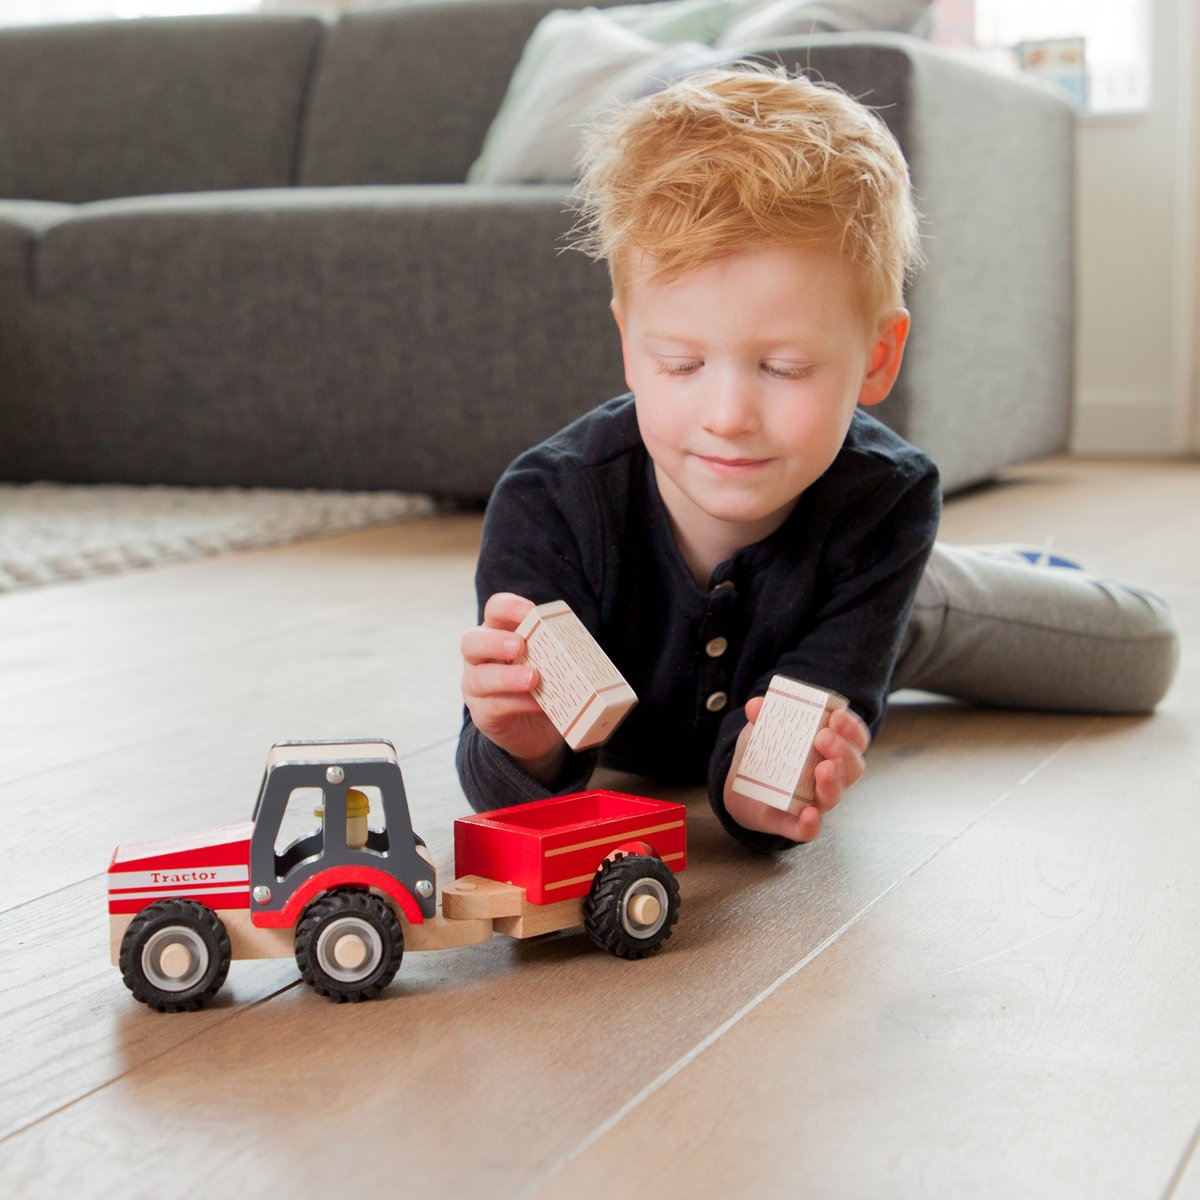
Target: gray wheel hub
point(644, 908)
point(349, 949)
point(175, 958)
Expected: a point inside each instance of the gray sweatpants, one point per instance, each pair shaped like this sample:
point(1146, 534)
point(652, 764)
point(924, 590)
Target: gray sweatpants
point(996, 632)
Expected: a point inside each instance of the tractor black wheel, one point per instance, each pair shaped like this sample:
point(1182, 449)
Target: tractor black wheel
point(349, 945)
point(175, 955)
point(633, 905)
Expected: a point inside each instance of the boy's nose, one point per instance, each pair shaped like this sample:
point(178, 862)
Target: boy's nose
point(731, 409)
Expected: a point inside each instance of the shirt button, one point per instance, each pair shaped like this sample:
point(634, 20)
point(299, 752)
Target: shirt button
point(716, 702)
point(716, 647)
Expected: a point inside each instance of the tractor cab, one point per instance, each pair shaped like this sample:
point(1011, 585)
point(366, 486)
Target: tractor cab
point(334, 807)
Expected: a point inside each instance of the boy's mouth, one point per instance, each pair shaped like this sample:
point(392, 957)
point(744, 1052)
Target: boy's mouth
point(732, 466)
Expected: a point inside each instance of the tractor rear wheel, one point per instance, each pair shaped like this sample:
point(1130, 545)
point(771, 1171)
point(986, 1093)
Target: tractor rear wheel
point(633, 905)
point(175, 955)
point(349, 945)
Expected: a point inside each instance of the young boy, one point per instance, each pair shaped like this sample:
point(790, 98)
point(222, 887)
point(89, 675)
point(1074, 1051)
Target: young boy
point(739, 514)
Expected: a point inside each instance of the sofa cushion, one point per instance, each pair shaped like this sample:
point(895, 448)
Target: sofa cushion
point(378, 111)
point(391, 337)
point(125, 108)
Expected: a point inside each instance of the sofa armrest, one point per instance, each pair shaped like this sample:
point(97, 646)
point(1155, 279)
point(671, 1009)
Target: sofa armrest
point(22, 224)
point(988, 377)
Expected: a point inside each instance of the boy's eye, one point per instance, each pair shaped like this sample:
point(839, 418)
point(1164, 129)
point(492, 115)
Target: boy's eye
point(677, 366)
point(779, 371)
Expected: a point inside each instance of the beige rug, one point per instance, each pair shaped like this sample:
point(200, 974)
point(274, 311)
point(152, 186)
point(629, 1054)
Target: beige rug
point(50, 533)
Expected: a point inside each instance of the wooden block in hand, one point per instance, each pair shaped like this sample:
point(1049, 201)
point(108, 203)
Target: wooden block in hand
point(777, 767)
point(578, 687)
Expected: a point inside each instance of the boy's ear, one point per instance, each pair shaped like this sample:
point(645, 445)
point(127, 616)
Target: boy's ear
point(614, 306)
point(619, 317)
point(885, 357)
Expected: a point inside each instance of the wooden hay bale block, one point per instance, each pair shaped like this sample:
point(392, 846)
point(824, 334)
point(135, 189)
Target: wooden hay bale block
point(579, 688)
point(777, 767)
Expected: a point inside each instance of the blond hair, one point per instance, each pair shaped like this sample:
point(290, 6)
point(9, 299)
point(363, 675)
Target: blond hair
point(732, 159)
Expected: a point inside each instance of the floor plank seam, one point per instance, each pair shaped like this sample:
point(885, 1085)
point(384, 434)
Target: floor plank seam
point(1181, 1168)
point(436, 744)
point(680, 1064)
point(66, 887)
point(65, 763)
point(712, 1038)
point(234, 1014)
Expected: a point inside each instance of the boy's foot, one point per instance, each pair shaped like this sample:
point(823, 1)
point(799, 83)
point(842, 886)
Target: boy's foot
point(1028, 556)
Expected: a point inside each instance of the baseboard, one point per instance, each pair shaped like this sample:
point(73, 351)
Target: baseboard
point(1124, 427)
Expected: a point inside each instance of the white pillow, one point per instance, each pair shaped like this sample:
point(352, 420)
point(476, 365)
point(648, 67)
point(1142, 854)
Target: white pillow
point(680, 20)
point(799, 18)
point(577, 63)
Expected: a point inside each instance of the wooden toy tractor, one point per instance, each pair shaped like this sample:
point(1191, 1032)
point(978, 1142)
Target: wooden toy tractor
point(330, 870)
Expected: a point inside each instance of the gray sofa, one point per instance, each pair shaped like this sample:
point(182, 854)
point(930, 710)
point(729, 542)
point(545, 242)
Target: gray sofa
point(239, 250)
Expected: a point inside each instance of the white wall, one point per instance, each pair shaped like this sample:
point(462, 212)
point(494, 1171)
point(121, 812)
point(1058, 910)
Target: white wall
point(1138, 270)
point(1191, 145)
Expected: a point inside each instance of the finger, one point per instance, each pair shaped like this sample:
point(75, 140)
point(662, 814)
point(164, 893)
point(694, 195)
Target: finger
point(751, 814)
point(852, 727)
point(494, 713)
point(828, 785)
point(831, 779)
point(754, 707)
point(493, 681)
point(832, 747)
point(803, 826)
point(505, 610)
point(808, 824)
point(483, 644)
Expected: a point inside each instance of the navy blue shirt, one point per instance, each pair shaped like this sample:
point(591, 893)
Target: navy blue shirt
point(823, 599)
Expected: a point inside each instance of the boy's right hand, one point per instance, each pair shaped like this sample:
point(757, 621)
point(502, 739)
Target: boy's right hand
point(497, 689)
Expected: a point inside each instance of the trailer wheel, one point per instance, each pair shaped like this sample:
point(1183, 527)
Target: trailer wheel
point(349, 945)
point(175, 955)
point(633, 905)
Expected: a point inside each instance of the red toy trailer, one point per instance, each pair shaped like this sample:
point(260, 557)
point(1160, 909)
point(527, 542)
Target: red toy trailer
point(347, 896)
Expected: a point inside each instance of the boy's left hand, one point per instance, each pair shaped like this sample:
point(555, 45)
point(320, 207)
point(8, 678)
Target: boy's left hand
point(841, 744)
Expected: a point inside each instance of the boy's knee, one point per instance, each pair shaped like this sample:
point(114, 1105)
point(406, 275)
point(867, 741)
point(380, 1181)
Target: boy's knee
point(1150, 641)
point(1120, 657)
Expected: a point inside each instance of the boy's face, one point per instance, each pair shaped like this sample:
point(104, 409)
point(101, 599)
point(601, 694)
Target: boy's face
point(746, 372)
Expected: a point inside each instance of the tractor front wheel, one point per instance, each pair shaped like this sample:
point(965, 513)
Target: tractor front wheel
point(349, 945)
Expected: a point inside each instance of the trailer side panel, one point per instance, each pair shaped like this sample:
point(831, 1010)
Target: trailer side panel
point(552, 848)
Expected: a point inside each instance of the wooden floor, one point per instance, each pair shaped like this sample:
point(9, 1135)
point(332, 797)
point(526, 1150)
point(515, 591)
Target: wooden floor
point(982, 981)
